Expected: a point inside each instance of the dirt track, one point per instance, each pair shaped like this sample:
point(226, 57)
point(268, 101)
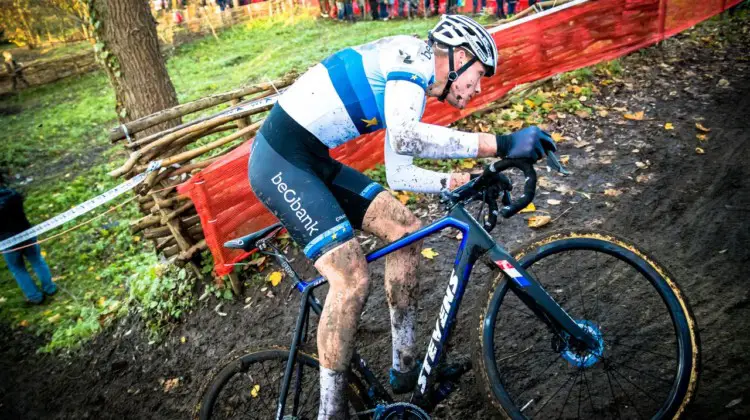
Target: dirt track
point(690, 211)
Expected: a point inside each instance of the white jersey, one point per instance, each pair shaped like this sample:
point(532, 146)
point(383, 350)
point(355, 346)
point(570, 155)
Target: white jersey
point(378, 85)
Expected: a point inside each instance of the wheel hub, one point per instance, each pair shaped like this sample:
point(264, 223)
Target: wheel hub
point(585, 358)
point(400, 410)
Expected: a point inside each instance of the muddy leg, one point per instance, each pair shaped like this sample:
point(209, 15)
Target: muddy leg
point(390, 220)
point(345, 268)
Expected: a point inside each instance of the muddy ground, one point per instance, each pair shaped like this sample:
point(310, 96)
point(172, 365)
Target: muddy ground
point(688, 210)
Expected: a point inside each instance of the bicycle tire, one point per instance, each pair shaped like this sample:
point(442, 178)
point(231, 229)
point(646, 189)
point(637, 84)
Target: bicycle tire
point(212, 390)
point(683, 321)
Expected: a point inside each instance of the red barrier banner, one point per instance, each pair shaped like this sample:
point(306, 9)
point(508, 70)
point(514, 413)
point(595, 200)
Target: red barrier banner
point(571, 36)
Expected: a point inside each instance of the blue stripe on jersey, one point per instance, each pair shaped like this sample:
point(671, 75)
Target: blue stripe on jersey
point(347, 74)
point(410, 77)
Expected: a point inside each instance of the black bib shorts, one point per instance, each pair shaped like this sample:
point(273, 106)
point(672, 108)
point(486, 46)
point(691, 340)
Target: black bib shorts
point(317, 199)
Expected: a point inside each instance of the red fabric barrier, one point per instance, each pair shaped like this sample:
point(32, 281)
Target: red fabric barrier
point(570, 37)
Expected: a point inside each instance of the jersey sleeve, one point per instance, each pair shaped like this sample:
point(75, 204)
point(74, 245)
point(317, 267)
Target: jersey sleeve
point(413, 64)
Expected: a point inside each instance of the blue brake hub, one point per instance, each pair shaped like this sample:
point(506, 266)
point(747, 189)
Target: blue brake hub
point(588, 358)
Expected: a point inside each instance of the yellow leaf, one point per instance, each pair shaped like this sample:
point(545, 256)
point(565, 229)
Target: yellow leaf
point(638, 116)
point(668, 126)
point(700, 127)
point(564, 159)
point(101, 301)
point(557, 137)
point(468, 163)
point(254, 391)
point(275, 278)
point(701, 137)
point(183, 339)
point(429, 253)
point(91, 268)
point(538, 221)
point(403, 198)
point(528, 209)
point(603, 112)
point(24, 323)
point(169, 384)
point(44, 253)
point(529, 103)
point(612, 192)
point(54, 318)
point(515, 124)
point(518, 108)
point(547, 106)
point(699, 151)
point(136, 238)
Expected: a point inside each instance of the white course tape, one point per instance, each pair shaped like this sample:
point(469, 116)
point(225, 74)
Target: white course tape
point(252, 105)
point(79, 210)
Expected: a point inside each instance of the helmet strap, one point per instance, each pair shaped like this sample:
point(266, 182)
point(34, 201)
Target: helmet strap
point(452, 74)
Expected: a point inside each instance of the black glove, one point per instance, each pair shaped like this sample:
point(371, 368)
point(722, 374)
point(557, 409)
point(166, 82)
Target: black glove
point(490, 178)
point(529, 143)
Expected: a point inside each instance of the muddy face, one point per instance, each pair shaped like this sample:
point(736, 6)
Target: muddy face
point(466, 87)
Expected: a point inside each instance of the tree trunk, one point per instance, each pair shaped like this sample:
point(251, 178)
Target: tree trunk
point(129, 49)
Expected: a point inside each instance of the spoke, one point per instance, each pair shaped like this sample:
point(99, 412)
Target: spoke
point(643, 350)
point(647, 394)
point(562, 410)
point(537, 376)
point(588, 391)
point(583, 301)
point(580, 388)
point(628, 397)
point(555, 394)
point(528, 350)
point(642, 372)
point(612, 392)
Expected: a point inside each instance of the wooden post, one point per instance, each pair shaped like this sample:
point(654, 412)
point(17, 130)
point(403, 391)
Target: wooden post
point(234, 280)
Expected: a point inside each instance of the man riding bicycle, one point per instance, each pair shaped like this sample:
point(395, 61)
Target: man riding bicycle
point(382, 84)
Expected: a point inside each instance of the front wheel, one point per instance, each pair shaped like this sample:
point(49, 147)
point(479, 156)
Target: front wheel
point(648, 361)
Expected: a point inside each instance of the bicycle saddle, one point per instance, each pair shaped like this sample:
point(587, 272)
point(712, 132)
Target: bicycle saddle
point(248, 242)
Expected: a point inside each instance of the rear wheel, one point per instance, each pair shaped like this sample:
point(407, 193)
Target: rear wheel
point(248, 388)
point(648, 361)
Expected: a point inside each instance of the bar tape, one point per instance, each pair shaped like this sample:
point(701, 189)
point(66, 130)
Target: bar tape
point(80, 209)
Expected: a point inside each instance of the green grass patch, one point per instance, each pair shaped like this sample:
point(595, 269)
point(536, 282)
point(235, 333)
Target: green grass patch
point(57, 134)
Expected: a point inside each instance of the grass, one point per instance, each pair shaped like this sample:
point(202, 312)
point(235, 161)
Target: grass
point(53, 139)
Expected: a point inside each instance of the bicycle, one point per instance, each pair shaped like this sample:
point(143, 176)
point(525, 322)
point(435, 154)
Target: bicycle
point(606, 364)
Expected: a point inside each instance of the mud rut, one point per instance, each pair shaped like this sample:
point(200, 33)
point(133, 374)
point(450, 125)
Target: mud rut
point(689, 211)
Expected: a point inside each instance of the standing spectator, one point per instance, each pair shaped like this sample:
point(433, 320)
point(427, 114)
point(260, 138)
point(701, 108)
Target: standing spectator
point(324, 12)
point(13, 221)
point(383, 6)
point(362, 8)
point(409, 8)
point(511, 8)
point(374, 9)
point(436, 8)
point(451, 7)
point(476, 3)
point(14, 70)
point(390, 9)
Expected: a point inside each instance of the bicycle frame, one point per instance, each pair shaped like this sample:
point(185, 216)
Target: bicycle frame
point(476, 242)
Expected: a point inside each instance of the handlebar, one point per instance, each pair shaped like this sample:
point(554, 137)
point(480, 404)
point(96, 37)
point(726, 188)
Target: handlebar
point(492, 183)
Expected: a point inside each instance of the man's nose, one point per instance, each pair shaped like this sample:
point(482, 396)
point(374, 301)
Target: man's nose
point(479, 87)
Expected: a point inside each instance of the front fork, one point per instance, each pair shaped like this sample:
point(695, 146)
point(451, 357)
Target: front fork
point(531, 293)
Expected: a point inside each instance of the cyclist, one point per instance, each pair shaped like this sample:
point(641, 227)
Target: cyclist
point(382, 84)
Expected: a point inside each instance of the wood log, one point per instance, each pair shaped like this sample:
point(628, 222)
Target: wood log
point(167, 217)
point(136, 155)
point(171, 251)
point(188, 254)
point(155, 233)
point(141, 124)
point(144, 222)
point(195, 230)
point(164, 243)
point(191, 220)
point(234, 280)
point(191, 154)
point(185, 169)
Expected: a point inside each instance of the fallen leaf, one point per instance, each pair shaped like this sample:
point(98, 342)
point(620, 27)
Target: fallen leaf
point(516, 124)
point(612, 192)
point(518, 108)
point(101, 301)
point(700, 127)
point(701, 137)
point(564, 159)
point(44, 253)
point(539, 221)
point(733, 402)
point(183, 339)
point(723, 83)
point(583, 114)
point(580, 144)
point(429, 253)
point(275, 278)
point(603, 113)
point(169, 384)
point(642, 178)
point(668, 126)
point(547, 106)
point(620, 109)
point(136, 238)
point(54, 318)
point(254, 391)
point(699, 151)
point(529, 103)
point(554, 202)
point(638, 116)
point(403, 197)
point(258, 261)
point(468, 163)
point(640, 165)
point(557, 137)
point(24, 323)
point(529, 209)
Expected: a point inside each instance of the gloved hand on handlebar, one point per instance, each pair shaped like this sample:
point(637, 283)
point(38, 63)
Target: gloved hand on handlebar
point(530, 143)
point(492, 179)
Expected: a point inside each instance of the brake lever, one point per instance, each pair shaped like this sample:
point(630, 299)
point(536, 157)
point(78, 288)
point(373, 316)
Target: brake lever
point(554, 163)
